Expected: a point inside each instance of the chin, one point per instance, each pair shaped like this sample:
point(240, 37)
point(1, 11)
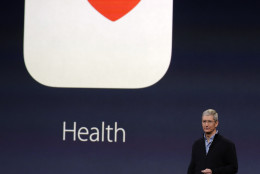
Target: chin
point(207, 131)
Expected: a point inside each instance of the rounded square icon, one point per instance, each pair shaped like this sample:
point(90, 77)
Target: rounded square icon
point(98, 43)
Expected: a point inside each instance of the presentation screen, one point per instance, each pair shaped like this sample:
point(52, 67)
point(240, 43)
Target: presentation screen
point(119, 87)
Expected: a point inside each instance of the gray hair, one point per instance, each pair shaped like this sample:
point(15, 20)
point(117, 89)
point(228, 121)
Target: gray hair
point(211, 112)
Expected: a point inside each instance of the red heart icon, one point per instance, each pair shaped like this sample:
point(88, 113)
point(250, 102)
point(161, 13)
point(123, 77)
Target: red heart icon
point(114, 9)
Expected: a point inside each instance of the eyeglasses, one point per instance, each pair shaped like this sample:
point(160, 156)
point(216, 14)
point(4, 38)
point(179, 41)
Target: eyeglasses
point(207, 121)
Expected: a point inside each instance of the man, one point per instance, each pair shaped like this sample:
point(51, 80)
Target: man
point(212, 154)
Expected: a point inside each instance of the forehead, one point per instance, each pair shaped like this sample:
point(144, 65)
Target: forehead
point(207, 117)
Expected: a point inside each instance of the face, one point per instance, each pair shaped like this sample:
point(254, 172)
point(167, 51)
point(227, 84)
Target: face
point(209, 125)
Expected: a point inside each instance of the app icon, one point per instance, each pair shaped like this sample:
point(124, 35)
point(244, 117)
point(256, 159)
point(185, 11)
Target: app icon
point(98, 43)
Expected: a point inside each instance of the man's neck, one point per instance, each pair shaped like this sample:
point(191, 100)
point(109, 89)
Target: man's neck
point(209, 135)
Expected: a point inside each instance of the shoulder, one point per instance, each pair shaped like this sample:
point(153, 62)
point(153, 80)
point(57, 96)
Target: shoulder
point(224, 140)
point(198, 142)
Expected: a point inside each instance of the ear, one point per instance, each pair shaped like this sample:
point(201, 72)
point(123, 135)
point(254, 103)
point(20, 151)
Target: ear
point(216, 125)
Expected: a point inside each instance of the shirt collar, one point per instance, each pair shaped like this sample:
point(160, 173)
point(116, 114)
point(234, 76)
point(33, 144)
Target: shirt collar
point(212, 137)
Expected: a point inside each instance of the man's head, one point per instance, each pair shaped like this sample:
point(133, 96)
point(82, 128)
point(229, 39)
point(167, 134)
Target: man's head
point(209, 121)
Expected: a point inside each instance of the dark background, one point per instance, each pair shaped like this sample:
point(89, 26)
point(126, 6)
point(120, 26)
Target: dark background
point(215, 64)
